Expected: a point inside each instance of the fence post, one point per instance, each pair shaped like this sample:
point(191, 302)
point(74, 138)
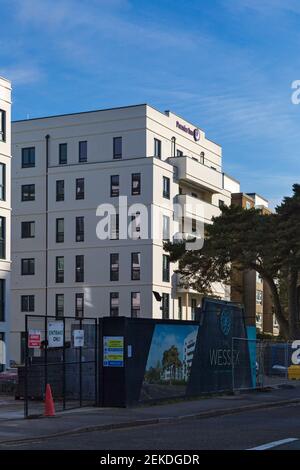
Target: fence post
point(286, 361)
point(232, 365)
point(26, 370)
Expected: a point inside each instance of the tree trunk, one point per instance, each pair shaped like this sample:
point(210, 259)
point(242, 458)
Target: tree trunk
point(293, 304)
point(282, 321)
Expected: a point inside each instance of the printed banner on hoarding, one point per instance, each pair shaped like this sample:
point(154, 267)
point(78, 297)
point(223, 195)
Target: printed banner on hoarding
point(78, 336)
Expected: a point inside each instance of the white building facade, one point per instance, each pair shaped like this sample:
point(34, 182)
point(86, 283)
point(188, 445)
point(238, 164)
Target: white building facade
point(5, 219)
point(64, 167)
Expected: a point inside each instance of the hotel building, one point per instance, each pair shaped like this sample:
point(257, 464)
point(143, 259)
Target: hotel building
point(64, 168)
point(5, 217)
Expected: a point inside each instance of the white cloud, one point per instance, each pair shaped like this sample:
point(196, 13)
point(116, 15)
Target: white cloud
point(22, 74)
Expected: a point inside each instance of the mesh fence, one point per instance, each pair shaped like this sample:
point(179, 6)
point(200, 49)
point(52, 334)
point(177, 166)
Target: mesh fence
point(62, 353)
point(265, 363)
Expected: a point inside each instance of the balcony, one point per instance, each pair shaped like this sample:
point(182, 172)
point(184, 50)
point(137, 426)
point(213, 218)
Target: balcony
point(195, 208)
point(195, 172)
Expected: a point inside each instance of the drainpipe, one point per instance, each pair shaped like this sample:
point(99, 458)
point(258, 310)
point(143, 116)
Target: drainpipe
point(47, 137)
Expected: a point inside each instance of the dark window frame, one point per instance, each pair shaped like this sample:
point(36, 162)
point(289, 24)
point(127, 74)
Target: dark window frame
point(60, 235)
point(157, 148)
point(79, 189)
point(166, 187)
point(59, 307)
point(63, 153)
point(135, 311)
point(135, 271)
point(3, 125)
point(27, 303)
point(79, 234)
point(82, 151)
point(112, 309)
point(114, 271)
point(59, 273)
point(60, 190)
point(28, 157)
point(79, 309)
point(30, 191)
point(117, 152)
point(114, 187)
point(79, 268)
point(29, 264)
point(136, 177)
point(165, 302)
point(25, 233)
point(2, 300)
point(3, 183)
point(166, 268)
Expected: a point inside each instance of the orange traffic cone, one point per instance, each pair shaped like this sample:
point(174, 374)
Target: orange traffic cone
point(49, 403)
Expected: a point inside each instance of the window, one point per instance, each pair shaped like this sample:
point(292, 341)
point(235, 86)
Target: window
point(135, 225)
point(2, 299)
point(194, 225)
point(136, 184)
point(135, 266)
point(221, 203)
point(60, 190)
point(166, 227)
point(59, 305)
point(193, 308)
point(82, 151)
point(2, 125)
point(259, 297)
point(27, 266)
point(114, 266)
point(2, 237)
point(166, 268)
point(117, 147)
point(135, 304)
point(28, 192)
point(60, 230)
point(179, 153)
point(79, 305)
point(79, 268)
point(27, 303)
point(28, 157)
point(114, 227)
point(114, 186)
point(2, 181)
point(114, 304)
point(80, 188)
point(180, 308)
point(79, 229)
point(28, 229)
point(248, 205)
point(60, 269)
point(157, 148)
point(63, 154)
point(202, 156)
point(173, 146)
point(165, 306)
point(166, 187)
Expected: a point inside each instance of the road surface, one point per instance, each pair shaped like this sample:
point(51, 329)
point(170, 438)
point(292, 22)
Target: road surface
point(277, 428)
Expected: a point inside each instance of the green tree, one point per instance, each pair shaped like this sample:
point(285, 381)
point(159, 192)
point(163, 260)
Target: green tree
point(171, 359)
point(250, 239)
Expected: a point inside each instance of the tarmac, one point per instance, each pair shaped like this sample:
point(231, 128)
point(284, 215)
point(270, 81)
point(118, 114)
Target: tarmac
point(15, 429)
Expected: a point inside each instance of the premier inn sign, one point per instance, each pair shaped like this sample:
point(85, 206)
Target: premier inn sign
point(193, 132)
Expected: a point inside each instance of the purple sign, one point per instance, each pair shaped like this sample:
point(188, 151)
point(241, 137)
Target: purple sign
point(194, 133)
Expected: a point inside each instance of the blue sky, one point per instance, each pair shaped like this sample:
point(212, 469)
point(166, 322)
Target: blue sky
point(225, 65)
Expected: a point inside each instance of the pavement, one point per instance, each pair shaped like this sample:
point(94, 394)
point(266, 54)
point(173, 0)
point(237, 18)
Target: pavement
point(15, 429)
